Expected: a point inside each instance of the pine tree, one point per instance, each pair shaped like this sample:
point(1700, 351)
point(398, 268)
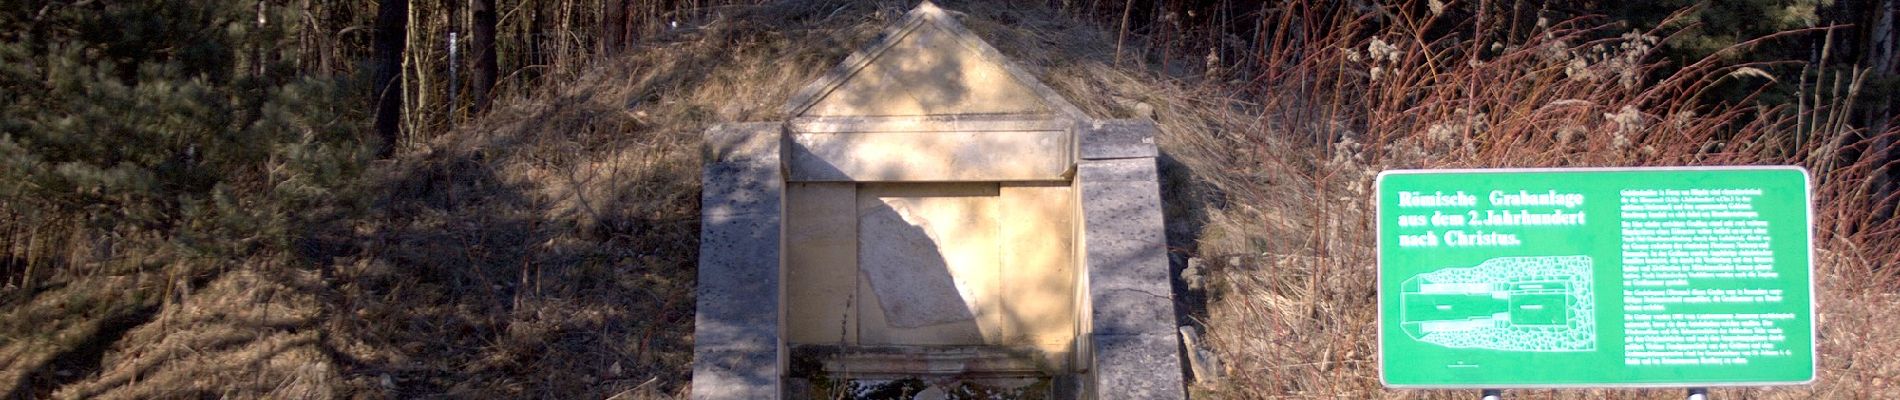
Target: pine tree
point(178, 118)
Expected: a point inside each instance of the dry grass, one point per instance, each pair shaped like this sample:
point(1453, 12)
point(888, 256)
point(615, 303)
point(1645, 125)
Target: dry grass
point(548, 248)
point(1292, 310)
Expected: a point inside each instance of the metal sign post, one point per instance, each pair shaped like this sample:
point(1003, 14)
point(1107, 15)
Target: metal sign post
point(1631, 277)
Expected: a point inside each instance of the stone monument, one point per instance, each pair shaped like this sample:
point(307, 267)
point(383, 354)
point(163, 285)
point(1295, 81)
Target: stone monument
point(933, 219)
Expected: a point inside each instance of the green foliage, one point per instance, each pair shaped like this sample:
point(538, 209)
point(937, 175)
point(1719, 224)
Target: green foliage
point(176, 117)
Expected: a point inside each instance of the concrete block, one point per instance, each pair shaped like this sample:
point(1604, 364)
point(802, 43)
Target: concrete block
point(743, 141)
point(930, 156)
point(720, 374)
point(736, 325)
point(1117, 170)
point(1137, 367)
point(1123, 228)
point(1131, 310)
point(738, 273)
point(1125, 311)
point(1123, 138)
point(738, 189)
point(740, 332)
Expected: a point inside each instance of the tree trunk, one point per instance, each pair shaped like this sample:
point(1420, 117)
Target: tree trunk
point(1884, 58)
point(391, 35)
point(484, 70)
point(614, 27)
point(457, 24)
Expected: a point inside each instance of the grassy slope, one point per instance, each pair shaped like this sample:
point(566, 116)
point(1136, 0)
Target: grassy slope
point(548, 248)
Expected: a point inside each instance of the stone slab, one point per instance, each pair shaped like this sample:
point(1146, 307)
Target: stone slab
point(1128, 311)
point(875, 328)
point(1140, 170)
point(738, 289)
point(736, 189)
point(1132, 346)
point(1137, 367)
point(929, 156)
point(929, 255)
point(1123, 227)
point(1122, 138)
point(742, 141)
point(736, 326)
point(735, 375)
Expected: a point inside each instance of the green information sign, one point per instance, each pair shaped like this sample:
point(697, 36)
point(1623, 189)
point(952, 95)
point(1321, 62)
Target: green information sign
point(1595, 277)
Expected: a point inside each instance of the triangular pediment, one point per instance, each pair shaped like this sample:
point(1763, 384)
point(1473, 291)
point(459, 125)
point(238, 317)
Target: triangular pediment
point(928, 65)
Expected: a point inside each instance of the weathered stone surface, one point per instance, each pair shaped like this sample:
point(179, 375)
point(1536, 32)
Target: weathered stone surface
point(928, 253)
point(929, 156)
point(1127, 311)
point(907, 269)
point(739, 280)
point(1122, 224)
point(1118, 170)
point(1205, 364)
point(742, 141)
point(1132, 343)
point(736, 339)
point(1122, 138)
point(735, 374)
point(1137, 367)
point(734, 332)
point(741, 189)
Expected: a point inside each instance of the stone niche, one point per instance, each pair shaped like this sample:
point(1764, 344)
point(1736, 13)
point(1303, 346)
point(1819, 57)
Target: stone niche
point(933, 220)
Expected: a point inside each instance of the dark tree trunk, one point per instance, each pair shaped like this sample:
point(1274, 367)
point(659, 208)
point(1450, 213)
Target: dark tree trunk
point(614, 27)
point(391, 20)
point(1883, 51)
point(484, 70)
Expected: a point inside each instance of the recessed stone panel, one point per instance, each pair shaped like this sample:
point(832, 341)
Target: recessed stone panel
point(821, 248)
point(928, 254)
point(1038, 272)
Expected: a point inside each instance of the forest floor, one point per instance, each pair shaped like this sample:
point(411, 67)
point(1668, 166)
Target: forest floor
point(548, 248)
